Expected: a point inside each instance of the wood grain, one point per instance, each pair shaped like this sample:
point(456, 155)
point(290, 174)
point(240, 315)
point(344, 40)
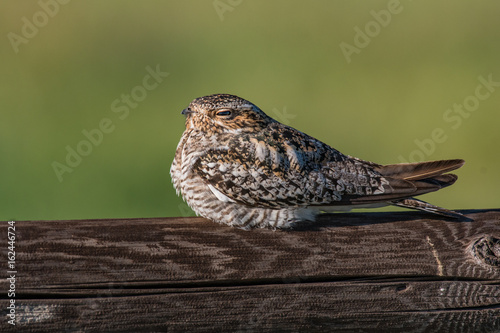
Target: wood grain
point(368, 272)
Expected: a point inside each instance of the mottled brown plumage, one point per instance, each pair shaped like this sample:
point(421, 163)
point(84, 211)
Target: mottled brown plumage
point(238, 166)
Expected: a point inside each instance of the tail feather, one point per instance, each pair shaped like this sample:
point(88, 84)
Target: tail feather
point(417, 171)
point(419, 178)
point(440, 181)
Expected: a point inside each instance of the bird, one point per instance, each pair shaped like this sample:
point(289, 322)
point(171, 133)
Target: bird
point(236, 165)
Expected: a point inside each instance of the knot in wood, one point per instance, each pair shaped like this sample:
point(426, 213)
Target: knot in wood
point(487, 250)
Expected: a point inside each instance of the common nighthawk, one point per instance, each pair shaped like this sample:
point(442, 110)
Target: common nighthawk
point(238, 166)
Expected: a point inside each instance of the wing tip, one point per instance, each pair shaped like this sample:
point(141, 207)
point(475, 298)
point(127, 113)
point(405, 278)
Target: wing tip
point(417, 204)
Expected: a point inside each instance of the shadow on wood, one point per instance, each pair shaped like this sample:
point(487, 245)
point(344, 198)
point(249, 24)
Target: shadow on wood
point(370, 272)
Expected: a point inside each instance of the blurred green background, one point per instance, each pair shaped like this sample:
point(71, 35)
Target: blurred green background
point(64, 65)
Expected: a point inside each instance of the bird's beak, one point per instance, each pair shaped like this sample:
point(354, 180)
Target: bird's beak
point(187, 111)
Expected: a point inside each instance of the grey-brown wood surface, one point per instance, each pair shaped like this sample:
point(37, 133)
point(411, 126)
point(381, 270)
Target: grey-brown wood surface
point(363, 272)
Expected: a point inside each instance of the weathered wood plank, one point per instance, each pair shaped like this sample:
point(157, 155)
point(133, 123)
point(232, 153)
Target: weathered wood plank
point(338, 307)
point(350, 272)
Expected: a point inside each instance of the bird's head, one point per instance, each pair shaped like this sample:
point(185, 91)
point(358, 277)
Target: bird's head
point(224, 113)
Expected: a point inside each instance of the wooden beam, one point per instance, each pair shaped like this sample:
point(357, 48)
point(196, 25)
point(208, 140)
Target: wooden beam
point(369, 272)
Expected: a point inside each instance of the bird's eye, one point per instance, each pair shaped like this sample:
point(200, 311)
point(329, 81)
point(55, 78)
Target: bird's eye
point(223, 113)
